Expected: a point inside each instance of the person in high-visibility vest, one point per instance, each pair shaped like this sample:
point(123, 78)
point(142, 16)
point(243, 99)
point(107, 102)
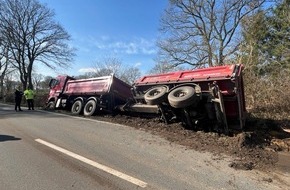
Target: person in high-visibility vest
point(29, 95)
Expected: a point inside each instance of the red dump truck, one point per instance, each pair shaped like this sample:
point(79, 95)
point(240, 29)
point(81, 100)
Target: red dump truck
point(202, 98)
point(88, 96)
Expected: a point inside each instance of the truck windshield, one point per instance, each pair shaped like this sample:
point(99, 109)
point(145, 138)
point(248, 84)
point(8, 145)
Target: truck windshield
point(53, 83)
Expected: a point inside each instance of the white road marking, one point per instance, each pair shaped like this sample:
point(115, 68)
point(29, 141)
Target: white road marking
point(95, 164)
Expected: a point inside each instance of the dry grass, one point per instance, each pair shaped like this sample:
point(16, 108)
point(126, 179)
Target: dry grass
point(268, 98)
point(39, 100)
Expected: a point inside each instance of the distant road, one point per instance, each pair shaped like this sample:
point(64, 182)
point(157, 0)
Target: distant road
point(50, 151)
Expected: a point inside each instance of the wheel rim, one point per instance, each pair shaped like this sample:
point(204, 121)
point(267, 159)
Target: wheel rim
point(50, 105)
point(90, 108)
point(182, 97)
point(180, 93)
point(155, 92)
point(76, 108)
point(156, 95)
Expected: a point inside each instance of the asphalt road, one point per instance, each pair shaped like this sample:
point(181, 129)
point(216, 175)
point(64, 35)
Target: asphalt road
point(50, 151)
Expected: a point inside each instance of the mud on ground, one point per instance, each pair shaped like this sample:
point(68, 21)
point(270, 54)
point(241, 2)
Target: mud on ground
point(256, 147)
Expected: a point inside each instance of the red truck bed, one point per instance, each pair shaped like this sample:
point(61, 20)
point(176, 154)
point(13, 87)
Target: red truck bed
point(98, 86)
point(206, 74)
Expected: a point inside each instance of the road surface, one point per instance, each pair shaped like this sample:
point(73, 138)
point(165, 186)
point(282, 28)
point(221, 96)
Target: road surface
point(44, 150)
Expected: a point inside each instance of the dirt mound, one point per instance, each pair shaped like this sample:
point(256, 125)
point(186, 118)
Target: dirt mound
point(255, 148)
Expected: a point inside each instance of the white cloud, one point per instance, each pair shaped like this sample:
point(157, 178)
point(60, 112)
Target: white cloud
point(136, 46)
point(138, 64)
point(149, 51)
point(101, 46)
point(83, 49)
point(105, 38)
point(87, 70)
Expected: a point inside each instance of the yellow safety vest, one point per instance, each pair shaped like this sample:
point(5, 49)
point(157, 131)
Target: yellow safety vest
point(29, 94)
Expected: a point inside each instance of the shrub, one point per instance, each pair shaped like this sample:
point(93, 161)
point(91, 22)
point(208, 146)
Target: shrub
point(268, 97)
point(39, 100)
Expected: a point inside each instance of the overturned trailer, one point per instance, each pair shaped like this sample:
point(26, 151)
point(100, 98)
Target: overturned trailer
point(202, 98)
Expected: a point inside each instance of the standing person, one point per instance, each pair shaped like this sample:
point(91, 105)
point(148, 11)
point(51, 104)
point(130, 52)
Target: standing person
point(18, 97)
point(29, 95)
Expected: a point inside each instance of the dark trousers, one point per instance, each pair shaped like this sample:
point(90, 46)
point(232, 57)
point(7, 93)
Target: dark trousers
point(17, 104)
point(30, 104)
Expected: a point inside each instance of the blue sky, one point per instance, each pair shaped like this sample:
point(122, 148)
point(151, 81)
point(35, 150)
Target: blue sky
point(125, 29)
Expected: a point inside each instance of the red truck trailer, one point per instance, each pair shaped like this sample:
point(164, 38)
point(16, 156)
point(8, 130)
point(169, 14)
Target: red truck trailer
point(87, 96)
point(208, 97)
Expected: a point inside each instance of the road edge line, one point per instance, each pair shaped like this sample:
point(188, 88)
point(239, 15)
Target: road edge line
point(94, 164)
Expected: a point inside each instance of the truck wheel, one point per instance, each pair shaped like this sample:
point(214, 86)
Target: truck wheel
point(90, 108)
point(181, 97)
point(156, 95)
point(50, 105)
point(77, 107)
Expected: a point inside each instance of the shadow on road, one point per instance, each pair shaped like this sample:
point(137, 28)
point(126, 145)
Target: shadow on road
point(8, 138)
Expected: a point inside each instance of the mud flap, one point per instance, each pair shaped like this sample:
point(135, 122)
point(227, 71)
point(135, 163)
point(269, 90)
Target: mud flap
point(57, 105)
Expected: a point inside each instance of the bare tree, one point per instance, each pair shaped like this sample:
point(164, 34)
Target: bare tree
point(202, 32)
point(10, 84)
point(130, 74)
point(37, 79)
point(164, 67)
point(33, 37)
point(107, 66)
point(5, 68)
point(44, 84)
point(112, 65)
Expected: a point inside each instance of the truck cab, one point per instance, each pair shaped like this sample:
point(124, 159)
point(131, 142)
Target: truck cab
point(57, 86)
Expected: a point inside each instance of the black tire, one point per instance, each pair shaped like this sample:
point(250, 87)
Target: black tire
point(50, 105)
point(156, 95)
point(90, 108)
point(77, 107)
point(182, 97)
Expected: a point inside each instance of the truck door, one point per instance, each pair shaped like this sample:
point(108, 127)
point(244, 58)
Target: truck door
point(56, 86)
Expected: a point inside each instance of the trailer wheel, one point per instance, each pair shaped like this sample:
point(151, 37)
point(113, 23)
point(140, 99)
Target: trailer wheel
point(50, 105)
point(77, 107)
point(156, 95)
point(90, 108)
point(181, 97)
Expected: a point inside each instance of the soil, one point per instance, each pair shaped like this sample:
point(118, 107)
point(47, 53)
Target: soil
point(256, 147)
